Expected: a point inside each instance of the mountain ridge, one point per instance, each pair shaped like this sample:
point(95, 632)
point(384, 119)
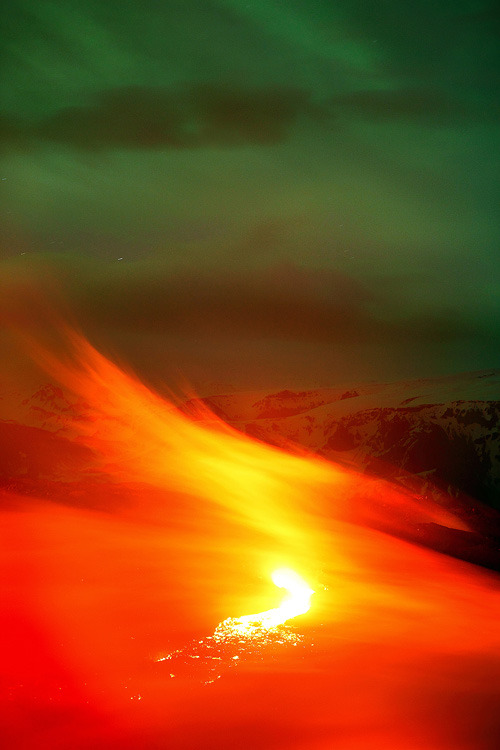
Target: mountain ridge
point(438, 438)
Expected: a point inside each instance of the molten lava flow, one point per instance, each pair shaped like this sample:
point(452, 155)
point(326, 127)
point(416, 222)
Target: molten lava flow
point(297, 603)
point(241, 638)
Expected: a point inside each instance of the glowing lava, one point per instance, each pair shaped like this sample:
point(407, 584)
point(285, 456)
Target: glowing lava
point(297, 603)
point(250, 636)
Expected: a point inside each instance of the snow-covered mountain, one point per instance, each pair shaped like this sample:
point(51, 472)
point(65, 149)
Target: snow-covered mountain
point(446, 431)
point(49, 408)
point(438, 437)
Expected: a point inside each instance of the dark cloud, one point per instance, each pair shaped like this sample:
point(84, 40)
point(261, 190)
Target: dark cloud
point(283, 302)
point(200, 115)
point(283, 325)
point(121, 118)
point(13, 132)
point(141, 117)
point(412, 104)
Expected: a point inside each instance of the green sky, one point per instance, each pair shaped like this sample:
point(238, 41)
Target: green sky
point(258, 192)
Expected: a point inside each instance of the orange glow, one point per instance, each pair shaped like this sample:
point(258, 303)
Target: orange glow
point(169, 524)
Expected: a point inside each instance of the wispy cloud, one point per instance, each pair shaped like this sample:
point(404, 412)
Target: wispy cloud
point(143, 117)
point(283, 302)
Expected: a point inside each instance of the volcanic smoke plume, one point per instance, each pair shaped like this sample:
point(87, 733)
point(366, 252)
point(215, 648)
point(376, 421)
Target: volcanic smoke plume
point(137, 540)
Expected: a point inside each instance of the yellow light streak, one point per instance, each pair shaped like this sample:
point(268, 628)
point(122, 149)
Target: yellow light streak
point(251, 635)
point(298, 602)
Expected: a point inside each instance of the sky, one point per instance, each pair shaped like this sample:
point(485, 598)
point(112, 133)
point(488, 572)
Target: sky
point(274, 193)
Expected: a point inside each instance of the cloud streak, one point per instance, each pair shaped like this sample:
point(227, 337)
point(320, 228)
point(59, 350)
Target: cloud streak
point(215, 115)
point(199, 115)
point(429, 105)
point(281, 302)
